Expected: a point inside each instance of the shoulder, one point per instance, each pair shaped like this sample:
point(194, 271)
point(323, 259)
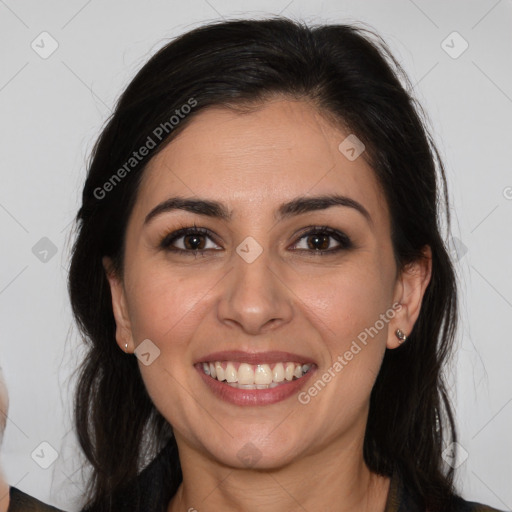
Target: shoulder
point(151, 490)
point(401, 498)
point(21, 502)
point(472, 506)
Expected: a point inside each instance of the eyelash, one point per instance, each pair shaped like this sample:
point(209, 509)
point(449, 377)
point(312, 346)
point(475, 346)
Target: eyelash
point(341, 238)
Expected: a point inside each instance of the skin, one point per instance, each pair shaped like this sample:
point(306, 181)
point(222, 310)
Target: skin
point(4, 404)
point(310, 456)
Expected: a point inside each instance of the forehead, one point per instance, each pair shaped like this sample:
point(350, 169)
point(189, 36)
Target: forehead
point(280, 151)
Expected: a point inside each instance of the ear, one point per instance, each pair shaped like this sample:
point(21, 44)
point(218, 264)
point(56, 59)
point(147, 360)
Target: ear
point(409, 291)
point(123, 326)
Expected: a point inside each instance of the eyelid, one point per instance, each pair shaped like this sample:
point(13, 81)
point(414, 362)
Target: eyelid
point(175, 234)
point(344, 241)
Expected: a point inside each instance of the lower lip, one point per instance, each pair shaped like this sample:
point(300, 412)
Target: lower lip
point(249, 397)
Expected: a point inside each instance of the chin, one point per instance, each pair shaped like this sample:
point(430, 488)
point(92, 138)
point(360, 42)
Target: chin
point(250, 453)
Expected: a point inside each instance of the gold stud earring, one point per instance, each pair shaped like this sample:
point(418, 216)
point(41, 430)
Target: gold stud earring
point(400, 335)
point(126, 347)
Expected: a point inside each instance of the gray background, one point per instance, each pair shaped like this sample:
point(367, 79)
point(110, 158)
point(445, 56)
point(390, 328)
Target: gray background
point(52, 109)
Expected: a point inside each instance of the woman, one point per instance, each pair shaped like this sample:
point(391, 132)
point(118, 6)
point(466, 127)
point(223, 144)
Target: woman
point(261, 280)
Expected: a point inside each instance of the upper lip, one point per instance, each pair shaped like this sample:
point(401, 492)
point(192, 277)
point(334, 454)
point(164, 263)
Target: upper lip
point(273, 356)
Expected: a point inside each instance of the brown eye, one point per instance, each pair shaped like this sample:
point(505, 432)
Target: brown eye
point(318, 240)
point(193, 242)
point(187, 240)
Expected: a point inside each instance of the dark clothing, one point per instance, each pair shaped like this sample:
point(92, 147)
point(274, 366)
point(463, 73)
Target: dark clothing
point(146, 495)
point(21, 502)
point(401, 499)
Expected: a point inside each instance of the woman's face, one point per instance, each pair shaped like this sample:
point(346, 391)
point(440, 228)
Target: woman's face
point(262, 286)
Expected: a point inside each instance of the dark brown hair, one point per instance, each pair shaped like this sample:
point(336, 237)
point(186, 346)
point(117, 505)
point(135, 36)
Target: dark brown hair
point(349, 74)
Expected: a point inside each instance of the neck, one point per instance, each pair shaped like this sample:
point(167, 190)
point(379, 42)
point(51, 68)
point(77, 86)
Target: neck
point(335, 475)
point(4, 494)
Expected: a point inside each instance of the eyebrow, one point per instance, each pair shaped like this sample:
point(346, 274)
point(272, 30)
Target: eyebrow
point(297, 206)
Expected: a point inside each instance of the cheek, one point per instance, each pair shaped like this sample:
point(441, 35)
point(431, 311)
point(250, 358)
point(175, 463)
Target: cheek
point(345, 300)
point(348, 308)
point(166, 308)
point(165, 305)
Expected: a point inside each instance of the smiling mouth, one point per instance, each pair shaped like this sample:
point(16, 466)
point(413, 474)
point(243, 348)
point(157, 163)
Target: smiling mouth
point(255, 376)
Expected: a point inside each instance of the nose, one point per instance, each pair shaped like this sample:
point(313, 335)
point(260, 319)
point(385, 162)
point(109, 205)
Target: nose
point(255, 297)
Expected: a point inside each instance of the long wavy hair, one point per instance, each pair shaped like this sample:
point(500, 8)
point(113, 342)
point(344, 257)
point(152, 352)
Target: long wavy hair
point(350, 75)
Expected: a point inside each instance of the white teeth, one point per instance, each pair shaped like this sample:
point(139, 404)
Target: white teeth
point(220, 371)
point(253, 386)
point(245, 374)
point(278, 373)
point(260, 376)
point(231, 375)
point(288, 372)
